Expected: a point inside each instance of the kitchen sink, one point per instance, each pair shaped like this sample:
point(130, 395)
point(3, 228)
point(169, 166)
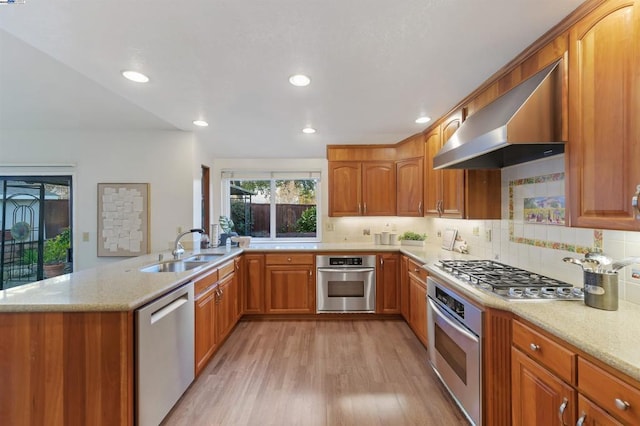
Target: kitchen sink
point(207, 257)
point(174, 266)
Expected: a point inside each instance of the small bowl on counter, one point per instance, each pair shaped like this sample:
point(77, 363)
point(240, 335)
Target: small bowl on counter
point(242, 241)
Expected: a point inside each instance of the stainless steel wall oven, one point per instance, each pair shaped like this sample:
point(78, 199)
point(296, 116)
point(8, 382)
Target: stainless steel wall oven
point(346, 283)
point(455, 346)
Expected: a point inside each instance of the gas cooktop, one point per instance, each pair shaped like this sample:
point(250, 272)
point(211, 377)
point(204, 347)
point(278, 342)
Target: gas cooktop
point(508, 281)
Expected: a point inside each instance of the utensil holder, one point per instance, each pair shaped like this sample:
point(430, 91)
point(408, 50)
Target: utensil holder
point(601, 290)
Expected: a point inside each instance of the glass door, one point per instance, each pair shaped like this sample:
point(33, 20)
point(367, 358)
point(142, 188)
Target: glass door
point(35, 238)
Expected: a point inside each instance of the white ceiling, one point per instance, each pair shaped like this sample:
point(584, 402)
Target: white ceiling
point(375, 66)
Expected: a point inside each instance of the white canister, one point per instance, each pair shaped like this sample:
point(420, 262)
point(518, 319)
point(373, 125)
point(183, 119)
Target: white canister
point(384, 238)
point(376, 239)
point(393, 239)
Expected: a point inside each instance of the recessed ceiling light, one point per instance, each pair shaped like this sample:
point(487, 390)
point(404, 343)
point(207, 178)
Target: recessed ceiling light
point(135, 76)
point(308, 130)
point(299, 80)
point(200, 123)
point(423, 119)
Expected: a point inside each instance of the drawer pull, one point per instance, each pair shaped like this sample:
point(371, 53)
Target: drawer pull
point(561, 410)
point(416, 270)
point(622, 404)
point(534, 347)
point(288, 259)
point(582, 419)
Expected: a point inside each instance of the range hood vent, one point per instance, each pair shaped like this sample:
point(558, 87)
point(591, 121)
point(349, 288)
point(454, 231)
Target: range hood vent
point(522, 125)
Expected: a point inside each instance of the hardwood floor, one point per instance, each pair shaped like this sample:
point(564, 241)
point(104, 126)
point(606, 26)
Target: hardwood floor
point(369, 372)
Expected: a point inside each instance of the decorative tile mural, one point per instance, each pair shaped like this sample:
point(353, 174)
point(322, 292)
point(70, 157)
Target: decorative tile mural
point(544, 210)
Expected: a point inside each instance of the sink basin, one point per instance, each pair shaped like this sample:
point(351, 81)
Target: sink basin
point(174, 266)
point(206, 257)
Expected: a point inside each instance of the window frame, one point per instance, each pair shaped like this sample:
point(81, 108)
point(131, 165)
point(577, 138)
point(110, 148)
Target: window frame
point(228, 176)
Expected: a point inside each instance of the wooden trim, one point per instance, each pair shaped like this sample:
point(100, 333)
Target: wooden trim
point(316, 317)
point(496, 343)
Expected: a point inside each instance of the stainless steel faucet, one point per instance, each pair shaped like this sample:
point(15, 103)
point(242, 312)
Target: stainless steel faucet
point(178, 249)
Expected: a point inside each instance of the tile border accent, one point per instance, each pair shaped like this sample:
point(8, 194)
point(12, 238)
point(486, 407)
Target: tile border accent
point(554, 177)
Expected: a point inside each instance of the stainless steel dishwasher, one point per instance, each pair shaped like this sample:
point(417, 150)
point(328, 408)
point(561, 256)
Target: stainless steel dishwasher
point(164, 353)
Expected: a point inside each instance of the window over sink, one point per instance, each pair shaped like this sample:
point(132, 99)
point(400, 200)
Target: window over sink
point(271, 206)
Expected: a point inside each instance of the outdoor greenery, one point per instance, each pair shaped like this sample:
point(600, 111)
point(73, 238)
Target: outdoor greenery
point(239, 217)
point(307, 221)
point(29, 256)
point(304, 190)
point(55, 249)
point(414, 236)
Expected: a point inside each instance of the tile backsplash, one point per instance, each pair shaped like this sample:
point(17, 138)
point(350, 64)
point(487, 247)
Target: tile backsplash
point(518, 239)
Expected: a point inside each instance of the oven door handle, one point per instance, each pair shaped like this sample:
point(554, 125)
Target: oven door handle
point(346, 270)
point(445, 317)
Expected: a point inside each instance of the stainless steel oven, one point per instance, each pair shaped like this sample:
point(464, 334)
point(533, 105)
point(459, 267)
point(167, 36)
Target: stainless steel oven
point(454, 346)
point(346, 283)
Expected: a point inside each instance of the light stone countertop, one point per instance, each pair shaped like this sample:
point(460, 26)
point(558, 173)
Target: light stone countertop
point(610, 336)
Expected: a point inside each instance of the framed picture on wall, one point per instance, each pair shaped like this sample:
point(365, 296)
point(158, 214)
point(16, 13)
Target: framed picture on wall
point(123, 219)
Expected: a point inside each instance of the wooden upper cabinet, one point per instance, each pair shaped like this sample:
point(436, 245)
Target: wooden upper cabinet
point(365, 188)
point(378, 188)
point(451, 181)
point(345, 188)
point(604, 106)
point(431, 179)
point(410, 178)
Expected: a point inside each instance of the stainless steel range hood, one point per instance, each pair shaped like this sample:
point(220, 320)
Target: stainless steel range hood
point(522, 125)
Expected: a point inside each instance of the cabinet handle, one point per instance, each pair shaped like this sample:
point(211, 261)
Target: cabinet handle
point(582, 419)
point(288, 259)
point(621, 404)
point(420, 208)
point(534, 347)
point(561, 410)
point(634, 202)
point(416, 270)
point(359, 208)
point(365, 208)
point(381, 261)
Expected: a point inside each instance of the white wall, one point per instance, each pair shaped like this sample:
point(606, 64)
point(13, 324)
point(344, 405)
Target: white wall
point(165, 159)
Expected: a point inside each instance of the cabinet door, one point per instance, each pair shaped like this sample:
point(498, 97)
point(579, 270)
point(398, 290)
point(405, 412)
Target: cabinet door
point(431, 177)
point(410, 177)
point(205, 342)
point(451, 181)
point(254, 283)
point(345, 186)
point(418, 308)
point(404, 287)
point(592, 415)
point(238, 282)
point(290, 289)
point(537, 395)
point(225, 308)
point(378, 189)
point(604, 130)
point(387, 284)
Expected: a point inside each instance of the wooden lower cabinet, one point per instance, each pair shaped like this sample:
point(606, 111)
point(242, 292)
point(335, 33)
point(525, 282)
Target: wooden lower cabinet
point(538, 396)
point(253, 288)
point(290, 285)
point(205, 333)
point(404, 287)
point(418, 307)
point(388, 283)
point(226, 306)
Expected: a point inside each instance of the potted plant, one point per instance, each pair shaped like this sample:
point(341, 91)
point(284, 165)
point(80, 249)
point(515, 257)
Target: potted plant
point(227, 226)
point(54, 256)
point(411, 238)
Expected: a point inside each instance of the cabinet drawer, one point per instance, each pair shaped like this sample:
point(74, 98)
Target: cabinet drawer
point(417, 270)
point(289, 259)
point(618, 398)
point(545, 351)
point(226, 269)
point(205, 281)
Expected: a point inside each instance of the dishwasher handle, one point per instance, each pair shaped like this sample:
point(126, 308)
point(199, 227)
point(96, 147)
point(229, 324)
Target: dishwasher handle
point(168, 308)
